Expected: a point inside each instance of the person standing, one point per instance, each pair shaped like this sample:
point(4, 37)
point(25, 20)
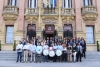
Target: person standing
point(39, 53)
point(84, 48)
point(74, 51)
point(19, 48)
point(64, 54)
point(69, 48)
point(55, 48)
point(32, 51)
point(51, 49)
point(45, 47)
point(26, 49)
point(60, 47)
point(79, 53)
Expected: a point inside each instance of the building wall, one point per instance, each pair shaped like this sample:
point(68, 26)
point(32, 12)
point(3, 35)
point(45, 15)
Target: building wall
point(78, 23)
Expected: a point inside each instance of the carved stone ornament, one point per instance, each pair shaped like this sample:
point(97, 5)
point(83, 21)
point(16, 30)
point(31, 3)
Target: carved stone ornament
point(89, 13)
point(90, 17)
point(10, 13)
point(9, 17)
point(49, 21)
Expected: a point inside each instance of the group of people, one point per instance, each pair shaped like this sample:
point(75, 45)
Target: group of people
point(51, 49)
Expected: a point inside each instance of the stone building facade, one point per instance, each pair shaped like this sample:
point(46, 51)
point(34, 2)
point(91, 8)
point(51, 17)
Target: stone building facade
point(79, 18)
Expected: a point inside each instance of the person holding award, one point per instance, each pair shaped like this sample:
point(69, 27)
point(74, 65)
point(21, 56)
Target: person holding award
point(19, 48)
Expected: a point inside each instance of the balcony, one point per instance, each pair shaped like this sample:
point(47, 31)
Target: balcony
point(10, 13)
point(49, 13)
point(67, 13)
point(89, 13)
point(31, 13)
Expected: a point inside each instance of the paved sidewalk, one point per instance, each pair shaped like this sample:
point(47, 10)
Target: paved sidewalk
point(78, 64)
point(92, 60)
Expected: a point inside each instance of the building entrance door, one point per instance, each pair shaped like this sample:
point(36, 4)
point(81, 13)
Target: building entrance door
point(49, 31)
point(68, 31)
point(31, 31)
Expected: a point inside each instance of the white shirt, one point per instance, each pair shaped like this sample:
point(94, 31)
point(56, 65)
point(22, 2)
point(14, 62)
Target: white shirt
point(26, 47)
point(45, 47)
point(39, 49)
point(50, 48)
point(60, 47)
point(32, 48)
point(19, 46)
point(55, 47)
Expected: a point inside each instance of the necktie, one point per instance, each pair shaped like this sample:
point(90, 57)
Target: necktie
point(79, 48)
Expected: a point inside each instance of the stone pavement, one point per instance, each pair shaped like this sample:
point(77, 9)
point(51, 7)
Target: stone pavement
point(78, 64)
point(92, 60)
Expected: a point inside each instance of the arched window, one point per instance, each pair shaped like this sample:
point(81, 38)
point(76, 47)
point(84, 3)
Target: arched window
point(12, 2)
point(67, 3)
point(87, 2)
point(32, 3)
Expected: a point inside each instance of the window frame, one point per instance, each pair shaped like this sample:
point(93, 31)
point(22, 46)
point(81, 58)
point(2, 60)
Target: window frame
point(89, 2)
point(30, 2)
point(12, 2)
point(69, 4)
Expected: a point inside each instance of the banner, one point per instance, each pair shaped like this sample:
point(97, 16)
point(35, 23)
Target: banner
point(49, 29)
point(49, 3)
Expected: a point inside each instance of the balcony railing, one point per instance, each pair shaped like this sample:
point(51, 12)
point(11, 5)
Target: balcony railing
point(89, 13)
point(89, 9)
point(31, 11)
point(67, 11)
point(49, 11)
point(10, 10)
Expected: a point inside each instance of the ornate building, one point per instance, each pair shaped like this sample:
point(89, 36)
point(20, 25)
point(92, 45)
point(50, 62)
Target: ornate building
point(49, 18)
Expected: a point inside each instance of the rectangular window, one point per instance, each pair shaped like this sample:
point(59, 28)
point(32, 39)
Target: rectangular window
point(9, 34)
point(12, 2)
point(87, 2)
point(89, 34)
point(32, 3)
point(67, 3)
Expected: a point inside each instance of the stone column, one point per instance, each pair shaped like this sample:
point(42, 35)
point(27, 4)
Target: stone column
point(39, 18)
point(1, 9)
point(2, 25)
point(39, 30)
point(60, 27)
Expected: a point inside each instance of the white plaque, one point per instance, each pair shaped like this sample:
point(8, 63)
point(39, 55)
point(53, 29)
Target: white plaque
point(89, 35)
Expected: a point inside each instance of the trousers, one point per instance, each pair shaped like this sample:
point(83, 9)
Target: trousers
point(26, 55)
point(75, 56)
point(19, 56)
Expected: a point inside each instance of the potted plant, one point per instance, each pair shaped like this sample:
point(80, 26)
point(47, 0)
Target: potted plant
point(97, 46)
point(14, 46)
point(0, 45)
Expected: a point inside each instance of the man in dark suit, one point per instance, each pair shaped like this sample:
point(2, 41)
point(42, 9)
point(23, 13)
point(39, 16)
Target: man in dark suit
point(79, 53)
point(84, 48)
